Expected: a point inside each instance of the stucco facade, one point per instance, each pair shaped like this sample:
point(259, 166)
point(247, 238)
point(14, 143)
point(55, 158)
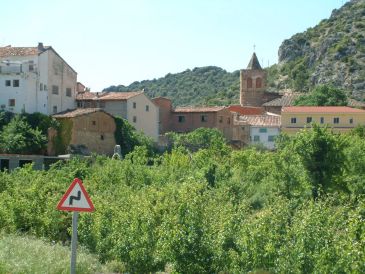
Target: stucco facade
point(35, 79)
point(339, 119)
point(135, 107)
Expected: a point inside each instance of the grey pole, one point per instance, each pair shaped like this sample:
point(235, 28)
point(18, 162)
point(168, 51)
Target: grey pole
point(75, 217)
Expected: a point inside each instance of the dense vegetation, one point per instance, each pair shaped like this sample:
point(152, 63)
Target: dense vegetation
point(208, 210)
point(323, 96)
point(24, 133)
point(206, 85)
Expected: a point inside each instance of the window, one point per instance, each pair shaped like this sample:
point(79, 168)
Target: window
point(336, 120)
point(220, 119)
point(16, 83)
point(7, 83)
point(68, 92)
point(249, 82)
point(256, 138)
point(93, 123)
point(271, 138)
point(11, 102)
point(134, 119)
point(263, 130)
point(40, 86)
point(45, 87)
point(351, 121)
point(134, 105)
point(54, 109)
point(31, 65)
point(322, 120)
point(228, 120)
point(258, 82)
point(204, 118)
point(293, 120)
point(147, 108)
point(181, 119)
point(309, 120)
point(101, 137)
point(54, 89)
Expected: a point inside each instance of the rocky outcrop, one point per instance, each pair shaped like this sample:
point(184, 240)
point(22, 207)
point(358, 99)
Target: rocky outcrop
point(333, 52)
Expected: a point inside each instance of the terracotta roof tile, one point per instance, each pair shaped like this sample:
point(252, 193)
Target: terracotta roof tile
point(107, 96)
point(285, 101)
point(18, 51)
point(246, 110)
point(303, 109)
point(260, 120)
point(198, 109)
point(77, 112)
point(85, 95)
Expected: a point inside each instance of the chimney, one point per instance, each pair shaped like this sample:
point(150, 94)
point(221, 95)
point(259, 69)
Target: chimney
point(40, 46)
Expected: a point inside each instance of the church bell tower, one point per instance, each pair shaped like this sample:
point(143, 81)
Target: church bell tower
point(252, 84)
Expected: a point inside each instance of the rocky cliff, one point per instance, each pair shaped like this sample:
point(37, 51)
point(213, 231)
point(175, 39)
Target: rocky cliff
point(333, 52)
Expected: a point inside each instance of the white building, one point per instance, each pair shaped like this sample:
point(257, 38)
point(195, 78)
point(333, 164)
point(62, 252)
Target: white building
point(259, 129)
point(135, 107)
point(35, 79)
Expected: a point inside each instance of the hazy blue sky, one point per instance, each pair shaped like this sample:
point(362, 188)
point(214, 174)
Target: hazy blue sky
point(118, 42)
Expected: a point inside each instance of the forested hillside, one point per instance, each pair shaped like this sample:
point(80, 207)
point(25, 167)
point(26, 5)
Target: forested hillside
point(207, 210)
point(206, 85)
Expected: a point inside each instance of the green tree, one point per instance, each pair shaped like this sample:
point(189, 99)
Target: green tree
point(19, 137)
point(323, 96)
point(127, 137)
point(322, 154)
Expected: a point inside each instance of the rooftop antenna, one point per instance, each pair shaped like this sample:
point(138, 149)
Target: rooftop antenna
point(254, 47)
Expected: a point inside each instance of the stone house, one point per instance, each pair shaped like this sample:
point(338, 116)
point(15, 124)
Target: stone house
point(135, 107)
point(35, 79)
point(90, 127)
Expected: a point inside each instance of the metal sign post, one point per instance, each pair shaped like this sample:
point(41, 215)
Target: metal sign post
point(76, 199)
point(75, 217)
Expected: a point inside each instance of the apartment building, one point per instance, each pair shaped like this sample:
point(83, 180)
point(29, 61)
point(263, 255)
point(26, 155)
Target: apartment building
point(35, 79)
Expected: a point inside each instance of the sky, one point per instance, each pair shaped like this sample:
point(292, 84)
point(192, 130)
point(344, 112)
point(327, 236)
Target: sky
point(112, 42)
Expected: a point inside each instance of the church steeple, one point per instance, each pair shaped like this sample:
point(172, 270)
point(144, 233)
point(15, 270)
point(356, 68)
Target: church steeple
point(252, 84)
point(254, 63)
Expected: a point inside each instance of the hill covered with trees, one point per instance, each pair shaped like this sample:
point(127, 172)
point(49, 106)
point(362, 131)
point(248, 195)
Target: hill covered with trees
point(200, 86)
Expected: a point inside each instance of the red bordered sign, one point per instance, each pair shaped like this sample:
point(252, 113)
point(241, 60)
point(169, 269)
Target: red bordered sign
point(76, 198)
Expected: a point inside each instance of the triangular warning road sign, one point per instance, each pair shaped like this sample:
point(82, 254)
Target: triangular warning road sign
point(76, 198)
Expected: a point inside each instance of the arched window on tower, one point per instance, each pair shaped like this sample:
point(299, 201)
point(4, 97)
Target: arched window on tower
point(249, 82)
point(258, 82)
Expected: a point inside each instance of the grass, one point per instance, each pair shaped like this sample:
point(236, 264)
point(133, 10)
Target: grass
point(24, 254)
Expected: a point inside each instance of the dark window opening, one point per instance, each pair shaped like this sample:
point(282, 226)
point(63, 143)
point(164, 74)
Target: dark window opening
point(16, 83)
point(7, 83)
point(249, 82)
point(24, 162)
point(4, 164)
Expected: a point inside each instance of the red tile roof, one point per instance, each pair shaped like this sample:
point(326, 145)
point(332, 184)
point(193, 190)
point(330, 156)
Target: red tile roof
point(107, 96)
point(85, 95)
point(246, 110)
point(284, 101)
point(261, 120)
point(19, 51)
point(198, 109)
point(77, 112)
point(304, 109)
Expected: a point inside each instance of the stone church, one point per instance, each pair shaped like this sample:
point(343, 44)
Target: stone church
point(253, 85)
